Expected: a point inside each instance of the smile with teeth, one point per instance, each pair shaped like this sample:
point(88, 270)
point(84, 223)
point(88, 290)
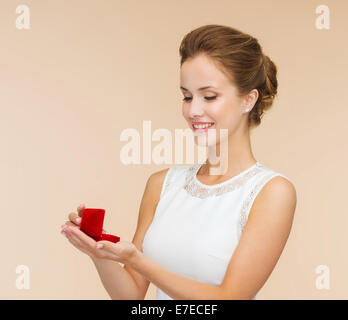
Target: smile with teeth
point(202, 127)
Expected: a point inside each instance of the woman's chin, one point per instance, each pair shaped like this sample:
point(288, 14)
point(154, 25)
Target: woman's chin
point(205, 141)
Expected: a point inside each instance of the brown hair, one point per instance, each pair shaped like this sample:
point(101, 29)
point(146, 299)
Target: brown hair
point(240, 57)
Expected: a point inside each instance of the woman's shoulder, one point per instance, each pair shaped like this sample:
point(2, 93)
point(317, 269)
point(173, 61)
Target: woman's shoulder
point(272, 182)
point(277, 176)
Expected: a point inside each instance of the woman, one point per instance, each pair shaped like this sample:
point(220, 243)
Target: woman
point(203, 236)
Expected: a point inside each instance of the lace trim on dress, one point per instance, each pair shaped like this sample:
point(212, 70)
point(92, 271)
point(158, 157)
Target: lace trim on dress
point(249, 200)
point(199, 190)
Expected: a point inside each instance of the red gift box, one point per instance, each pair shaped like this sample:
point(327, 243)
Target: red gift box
point(92, 224)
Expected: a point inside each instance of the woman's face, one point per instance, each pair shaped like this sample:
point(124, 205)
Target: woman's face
point(218, 104)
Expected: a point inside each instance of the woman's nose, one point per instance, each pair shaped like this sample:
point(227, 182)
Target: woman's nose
point(196, 110)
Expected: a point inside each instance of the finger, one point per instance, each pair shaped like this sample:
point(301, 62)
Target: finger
point(73, 217)
point(84, 238)
point(78, 243)
point(74, 240)
point(80, 209)
point(70, 224)
point(71, 238)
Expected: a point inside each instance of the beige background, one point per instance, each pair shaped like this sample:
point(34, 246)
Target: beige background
point(86, 70)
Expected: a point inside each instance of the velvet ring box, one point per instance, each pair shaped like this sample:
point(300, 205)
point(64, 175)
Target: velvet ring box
point(92, 224)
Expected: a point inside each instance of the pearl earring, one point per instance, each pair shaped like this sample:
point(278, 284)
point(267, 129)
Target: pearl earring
point(247, 109)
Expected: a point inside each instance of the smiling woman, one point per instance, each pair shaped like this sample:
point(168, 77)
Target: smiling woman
point(240, 58)
point(203, 233)
point(219, 236)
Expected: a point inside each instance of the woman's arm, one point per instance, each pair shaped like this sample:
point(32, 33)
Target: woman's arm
point(125, 282)
point(121, 282)
point(174, 285)
point(147, 209)
point(259, 249)
point(118, 283)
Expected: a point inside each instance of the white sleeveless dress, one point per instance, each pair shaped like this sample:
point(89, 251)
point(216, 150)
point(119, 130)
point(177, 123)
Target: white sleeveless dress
point(196, 227)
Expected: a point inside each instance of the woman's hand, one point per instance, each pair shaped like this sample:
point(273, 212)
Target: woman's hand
point(122, 251)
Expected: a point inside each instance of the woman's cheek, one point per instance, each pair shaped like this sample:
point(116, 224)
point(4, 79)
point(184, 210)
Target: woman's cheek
point(185, 112)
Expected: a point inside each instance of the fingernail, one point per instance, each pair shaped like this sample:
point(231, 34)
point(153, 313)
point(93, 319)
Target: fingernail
point(99, 245)
point(64, 234)
point(78, 220)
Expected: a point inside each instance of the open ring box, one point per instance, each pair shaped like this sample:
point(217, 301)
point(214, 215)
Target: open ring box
point(92, 224)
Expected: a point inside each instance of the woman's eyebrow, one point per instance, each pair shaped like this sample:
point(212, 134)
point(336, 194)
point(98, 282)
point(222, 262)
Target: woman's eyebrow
point(202, 88)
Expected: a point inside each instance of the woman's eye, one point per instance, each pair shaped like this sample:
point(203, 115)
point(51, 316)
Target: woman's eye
point(207, 98)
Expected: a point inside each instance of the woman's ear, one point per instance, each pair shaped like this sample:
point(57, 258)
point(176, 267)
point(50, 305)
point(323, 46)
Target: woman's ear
point(250, 100)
